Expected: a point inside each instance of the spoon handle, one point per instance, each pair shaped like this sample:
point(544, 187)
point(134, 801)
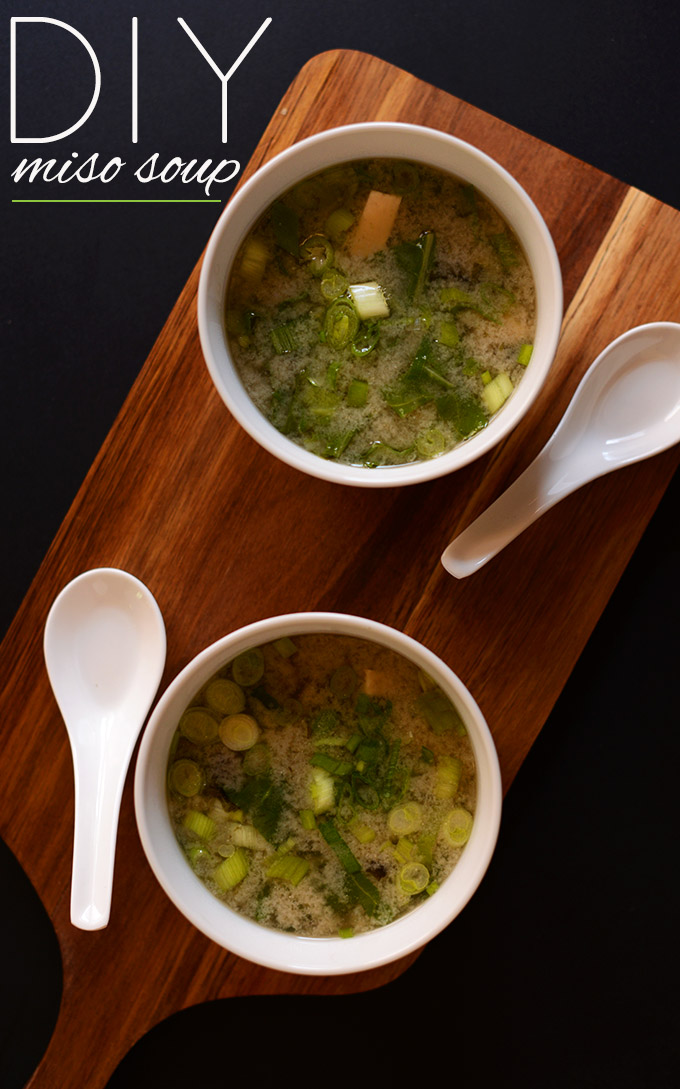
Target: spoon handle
point(542, 484)
point(99, 780)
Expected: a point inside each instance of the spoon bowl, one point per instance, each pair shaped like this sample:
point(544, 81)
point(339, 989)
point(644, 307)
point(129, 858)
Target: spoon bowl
point(104, 648)
point(625, 409)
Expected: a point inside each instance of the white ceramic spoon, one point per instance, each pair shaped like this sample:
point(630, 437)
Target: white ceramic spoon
point(626, 408)
point(105, 651)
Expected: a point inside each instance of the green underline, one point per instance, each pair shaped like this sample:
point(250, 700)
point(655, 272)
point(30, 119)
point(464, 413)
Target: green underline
point(114, 201)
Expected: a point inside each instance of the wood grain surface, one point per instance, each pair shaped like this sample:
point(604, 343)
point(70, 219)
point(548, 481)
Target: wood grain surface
point(223, 535)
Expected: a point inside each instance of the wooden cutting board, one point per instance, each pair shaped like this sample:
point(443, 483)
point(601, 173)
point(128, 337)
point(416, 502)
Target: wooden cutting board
point(223, 535)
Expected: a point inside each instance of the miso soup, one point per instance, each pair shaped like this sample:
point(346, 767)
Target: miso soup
point(321, 785)
point(380, 312)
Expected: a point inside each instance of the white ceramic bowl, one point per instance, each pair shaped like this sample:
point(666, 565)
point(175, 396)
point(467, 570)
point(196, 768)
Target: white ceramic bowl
point(275, 949)
point(376, 140)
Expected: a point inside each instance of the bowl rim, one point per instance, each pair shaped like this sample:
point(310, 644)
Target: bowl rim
point(265, 946)
point(252, 198)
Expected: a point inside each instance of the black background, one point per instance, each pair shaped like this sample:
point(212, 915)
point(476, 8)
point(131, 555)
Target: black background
point(562, 971)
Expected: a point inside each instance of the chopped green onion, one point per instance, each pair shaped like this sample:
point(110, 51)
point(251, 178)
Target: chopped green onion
point(285, 646)
point(322, 791)
point(334, 840)
point(497, 392)
point(369, 300)
point(426, 242)
point(283, 339)
point(346, 932)
point(425, 847)
point(449, 771)
point(290, 868)
point(363, 832)
point(239, 732)
point(404, 850)
point(366, 339)
point(405, 818)
point(338, 223)
point(198, 725)
point(232, 871)
point(199, 823)
point(225, 697)
point(333, 284)
point(524, 355)
point(486, 377)
point(317, 252)
point(431, 443)
point(307, 819)
point(457, 826)
point(248, 668)
point(413, 878)
point(330, 764)
point(186, 778)
point(439, 712)
point(254, 260)
point(336, 444)
point(357, 393)
point(197, 854)
point(332, 372)
point(246, 835)
point(341, 324)
point(362, 888)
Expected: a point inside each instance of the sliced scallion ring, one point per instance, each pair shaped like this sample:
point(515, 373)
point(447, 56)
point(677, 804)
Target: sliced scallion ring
point(457, 826)
point(405, 818)
point(225, 696)
point(198, 725)
point(239, 732)
point(366, 339)
point(199, 823)
point(248, 668)
point(338, 222)
point(431, 443)
point(341, 324)
point(317, 252)
point(186, 778)
point(413, 878)
point(333, 284)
